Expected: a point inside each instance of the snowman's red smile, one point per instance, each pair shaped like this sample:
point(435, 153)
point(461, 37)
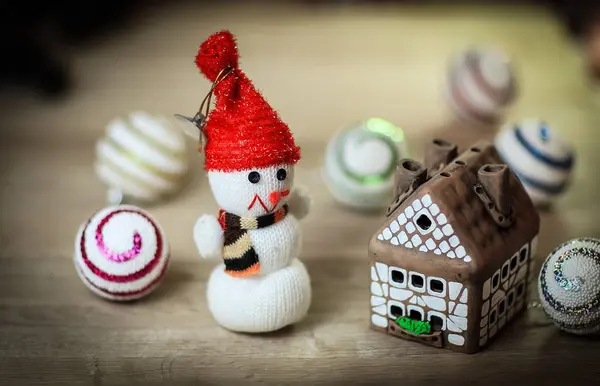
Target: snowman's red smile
point(274, 198)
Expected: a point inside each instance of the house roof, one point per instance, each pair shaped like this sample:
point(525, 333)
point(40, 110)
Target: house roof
point(473, 241)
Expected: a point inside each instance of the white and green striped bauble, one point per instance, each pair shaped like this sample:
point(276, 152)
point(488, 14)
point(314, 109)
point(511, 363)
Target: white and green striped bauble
point(142, 158)
point(360, 163)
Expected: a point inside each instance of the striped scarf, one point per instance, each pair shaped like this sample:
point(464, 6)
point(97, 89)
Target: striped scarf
point(241, 260)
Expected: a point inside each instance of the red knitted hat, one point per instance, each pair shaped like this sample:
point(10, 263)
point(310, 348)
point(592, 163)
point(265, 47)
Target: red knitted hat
point(242, 131)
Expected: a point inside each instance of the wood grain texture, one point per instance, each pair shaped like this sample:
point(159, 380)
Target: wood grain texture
point(322, 68)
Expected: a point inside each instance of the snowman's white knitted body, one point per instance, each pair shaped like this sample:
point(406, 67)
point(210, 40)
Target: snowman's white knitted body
point(280, 294)
point(250, 157)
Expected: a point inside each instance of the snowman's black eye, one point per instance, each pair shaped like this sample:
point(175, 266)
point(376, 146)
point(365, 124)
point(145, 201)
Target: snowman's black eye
point(254, 177)
point(281, 174)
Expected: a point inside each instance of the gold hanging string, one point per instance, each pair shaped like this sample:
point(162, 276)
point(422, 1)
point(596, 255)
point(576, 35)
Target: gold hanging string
point(201, 117)
point(220, 76)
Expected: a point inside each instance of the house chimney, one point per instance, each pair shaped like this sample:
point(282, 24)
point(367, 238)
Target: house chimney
point(408, 173)
point(495, 181)
point(438, 154)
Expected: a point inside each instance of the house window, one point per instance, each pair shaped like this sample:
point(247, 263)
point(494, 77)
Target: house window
point(501, 307)
point(417, 282)
point(493, 317)
point(436, 286)
point(495, 281)
point(510, 298)
point(523, 255)
point(520, 289)
point(437, 323)
point(505, 272)
point(513, 263)
point(424, 222)
point(398, 277)
point(396, 311)
point(415, 313)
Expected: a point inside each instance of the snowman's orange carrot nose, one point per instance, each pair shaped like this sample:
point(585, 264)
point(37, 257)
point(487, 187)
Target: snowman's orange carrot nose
point(274, 197)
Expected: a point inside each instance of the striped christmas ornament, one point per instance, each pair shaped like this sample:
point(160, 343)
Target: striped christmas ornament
point(141, 157)
point(539, 156)
point(481, 85)
point(360, 162)
point(569, 286)
point(121, 253)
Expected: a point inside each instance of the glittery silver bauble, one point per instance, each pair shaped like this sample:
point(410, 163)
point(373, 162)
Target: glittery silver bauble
point(569, 286)
point(360, 163)
point(142, 157)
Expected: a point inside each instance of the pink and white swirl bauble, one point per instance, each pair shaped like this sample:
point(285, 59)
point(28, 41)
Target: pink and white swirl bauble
point(481, 85)
point(121, 253)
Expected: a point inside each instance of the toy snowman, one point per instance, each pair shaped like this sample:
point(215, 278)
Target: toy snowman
point(261, 285)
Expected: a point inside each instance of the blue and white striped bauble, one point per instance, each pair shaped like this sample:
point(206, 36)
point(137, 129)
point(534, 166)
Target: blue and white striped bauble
point(539, 156)
point(142, 157)
point(569, 286)
point(360, 163)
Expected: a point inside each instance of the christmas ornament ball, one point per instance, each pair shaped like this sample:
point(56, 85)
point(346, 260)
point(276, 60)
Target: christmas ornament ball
point(141, 157)
point(360, 163)
point(541, 158)
point(121, 253)
point(569, 286)
point(481, 84)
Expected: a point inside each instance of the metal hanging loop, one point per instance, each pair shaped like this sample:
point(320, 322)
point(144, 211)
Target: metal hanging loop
point(200, 118)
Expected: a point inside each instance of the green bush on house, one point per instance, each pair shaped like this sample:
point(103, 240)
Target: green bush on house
point(417, 327)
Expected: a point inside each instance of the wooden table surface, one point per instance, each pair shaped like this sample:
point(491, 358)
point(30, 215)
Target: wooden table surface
point(322, 69)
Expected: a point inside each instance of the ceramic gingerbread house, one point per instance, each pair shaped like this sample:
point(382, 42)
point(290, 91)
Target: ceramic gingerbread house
point(449, 266)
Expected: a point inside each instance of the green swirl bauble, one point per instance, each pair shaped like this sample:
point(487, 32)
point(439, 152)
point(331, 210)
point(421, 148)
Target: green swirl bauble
point(360, 163)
